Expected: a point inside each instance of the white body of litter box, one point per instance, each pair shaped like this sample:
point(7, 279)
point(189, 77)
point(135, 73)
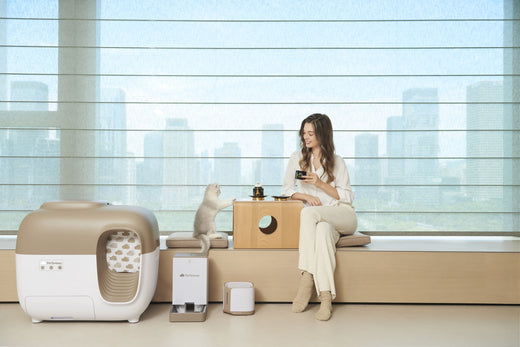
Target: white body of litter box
point(67, 267)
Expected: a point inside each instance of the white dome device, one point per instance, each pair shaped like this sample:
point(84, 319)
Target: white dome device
point(87, 260)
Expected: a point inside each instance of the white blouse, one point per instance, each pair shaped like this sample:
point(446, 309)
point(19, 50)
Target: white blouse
point(341, 181)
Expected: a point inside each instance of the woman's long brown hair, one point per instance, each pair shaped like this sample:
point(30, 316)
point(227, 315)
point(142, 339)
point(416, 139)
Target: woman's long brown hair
point(323, 131)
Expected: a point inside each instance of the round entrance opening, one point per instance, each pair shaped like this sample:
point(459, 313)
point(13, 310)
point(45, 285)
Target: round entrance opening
point(268, 225)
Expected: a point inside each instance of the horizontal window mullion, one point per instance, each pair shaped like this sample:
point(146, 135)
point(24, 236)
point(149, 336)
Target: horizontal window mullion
point(247, 186)
point(274, 48)
point(252, 20)
point(290, 131)
point(435, 185)
point(439, 233)
point(265, 102)
point(361, 212)
point(256, 75)
point(249, 157)
point(358, 212)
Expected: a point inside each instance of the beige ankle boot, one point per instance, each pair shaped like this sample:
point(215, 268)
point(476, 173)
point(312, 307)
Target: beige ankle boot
point(325, 310)
point(304, 293)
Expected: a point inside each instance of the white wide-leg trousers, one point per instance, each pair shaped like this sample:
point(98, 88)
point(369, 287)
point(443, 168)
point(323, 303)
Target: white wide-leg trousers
point(320, 229)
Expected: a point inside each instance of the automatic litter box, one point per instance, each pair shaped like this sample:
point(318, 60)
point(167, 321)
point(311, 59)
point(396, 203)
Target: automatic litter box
point(86, 260)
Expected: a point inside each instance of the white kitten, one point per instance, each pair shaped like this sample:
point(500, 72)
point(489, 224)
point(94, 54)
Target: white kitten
point(204, 227)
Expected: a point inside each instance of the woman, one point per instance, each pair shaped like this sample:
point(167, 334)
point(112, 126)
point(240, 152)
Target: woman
point(327, 213)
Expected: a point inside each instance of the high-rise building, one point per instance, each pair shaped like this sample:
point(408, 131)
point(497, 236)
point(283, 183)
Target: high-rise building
point(395, 150)
point(206, 171)
point(37, 170)
point(228, 167)
point(32, 94)
point(368, 167)
point(421, 139)
point(150, 172)
point(46, 169)
point(180, 169)
point(482, 144)
point(272, 152)
point(421, 144)
point(111, 167)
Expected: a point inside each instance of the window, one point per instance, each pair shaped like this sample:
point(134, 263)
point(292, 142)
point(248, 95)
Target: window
point(146, 105)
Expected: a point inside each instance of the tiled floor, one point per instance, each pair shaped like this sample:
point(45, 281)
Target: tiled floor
point(275, 325)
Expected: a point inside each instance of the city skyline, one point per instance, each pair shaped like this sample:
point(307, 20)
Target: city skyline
point(150, 182)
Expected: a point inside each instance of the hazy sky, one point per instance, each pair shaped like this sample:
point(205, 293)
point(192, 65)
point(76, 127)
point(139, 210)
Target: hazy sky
point(373, 36)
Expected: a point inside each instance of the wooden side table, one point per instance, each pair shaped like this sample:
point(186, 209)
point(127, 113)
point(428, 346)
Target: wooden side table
point(266, 224)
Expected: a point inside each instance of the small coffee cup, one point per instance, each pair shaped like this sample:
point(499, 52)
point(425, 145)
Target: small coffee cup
point(299, 174)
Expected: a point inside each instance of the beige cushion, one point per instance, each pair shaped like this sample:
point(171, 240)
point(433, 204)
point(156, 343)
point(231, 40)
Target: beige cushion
point(356, 239)
point(185, 239)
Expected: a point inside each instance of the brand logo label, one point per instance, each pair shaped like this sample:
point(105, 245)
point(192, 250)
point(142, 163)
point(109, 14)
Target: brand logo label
point(51, 265)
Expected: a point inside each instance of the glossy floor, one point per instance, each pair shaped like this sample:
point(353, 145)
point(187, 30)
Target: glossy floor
point(275, 325)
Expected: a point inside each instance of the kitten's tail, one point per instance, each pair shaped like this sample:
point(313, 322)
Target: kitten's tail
point(205, 243)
